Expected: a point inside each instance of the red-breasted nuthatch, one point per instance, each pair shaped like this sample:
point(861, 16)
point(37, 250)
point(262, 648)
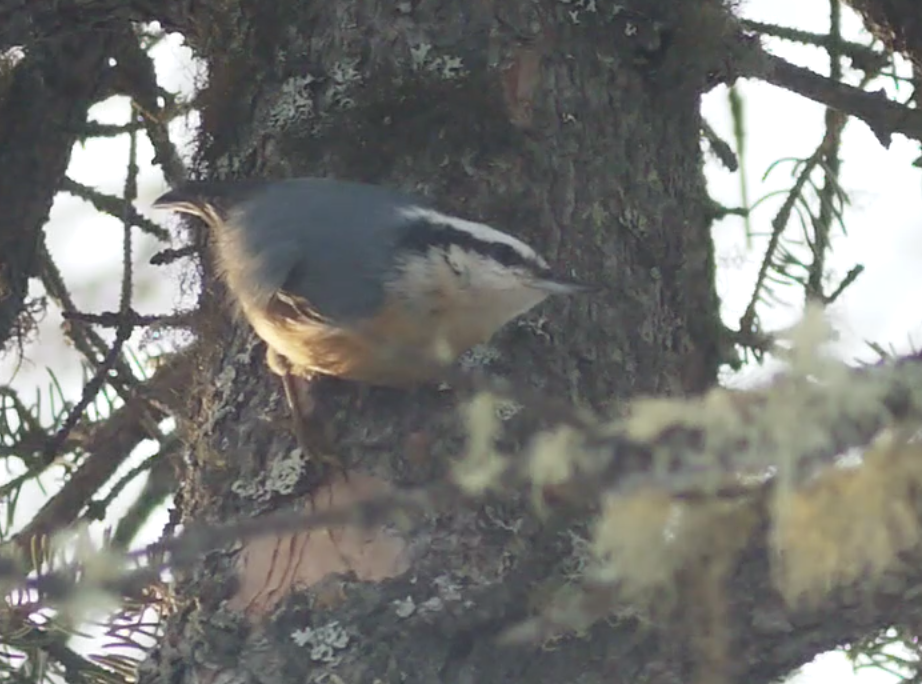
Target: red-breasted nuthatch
point(362, 282)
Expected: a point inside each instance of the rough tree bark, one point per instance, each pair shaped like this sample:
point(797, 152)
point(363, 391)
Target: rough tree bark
point(572, 123)
point(557, 122)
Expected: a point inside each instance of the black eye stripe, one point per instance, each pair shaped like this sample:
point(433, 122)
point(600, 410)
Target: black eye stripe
point(422, 235)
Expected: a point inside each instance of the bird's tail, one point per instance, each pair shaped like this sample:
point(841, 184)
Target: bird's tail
point(201, 198)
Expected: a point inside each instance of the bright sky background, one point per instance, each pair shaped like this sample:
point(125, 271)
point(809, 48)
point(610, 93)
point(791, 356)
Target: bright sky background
point(884, 232)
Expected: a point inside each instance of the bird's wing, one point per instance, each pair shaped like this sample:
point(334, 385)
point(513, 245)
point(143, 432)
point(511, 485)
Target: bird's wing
point(294, 307)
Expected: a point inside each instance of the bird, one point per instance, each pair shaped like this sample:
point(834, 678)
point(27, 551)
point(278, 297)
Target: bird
point(362, 282)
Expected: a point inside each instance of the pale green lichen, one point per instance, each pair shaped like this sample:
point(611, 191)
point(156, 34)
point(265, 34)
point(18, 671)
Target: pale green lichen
point(445, 67)
point(555, 457)
point(8, 61)
point(448, 67)
point(293, 104)
point(482, 465)
point(577, 9)
point(282, 478)
point(324, 642)
point(479, 356)
point(580, 558)
point(645, 536)
point(535, 324)
point(419, 53)
point(849, 524)
point(343, 76)
point(404, 608)
point(507, 409)
point(449, 591)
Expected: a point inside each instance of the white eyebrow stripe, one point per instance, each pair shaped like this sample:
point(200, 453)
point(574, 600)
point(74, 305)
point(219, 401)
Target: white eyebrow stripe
point(481, 231)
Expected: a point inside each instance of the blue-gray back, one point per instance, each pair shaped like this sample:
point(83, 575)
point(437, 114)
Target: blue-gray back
point(330, 242)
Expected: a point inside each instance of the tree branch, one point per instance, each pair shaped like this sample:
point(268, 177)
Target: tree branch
point(33, 22)
point(41, 115)
point(138, 79)
point(884, 116)
point(114, 206)
point(107, 446)
point(861, 56)
point(701, 444)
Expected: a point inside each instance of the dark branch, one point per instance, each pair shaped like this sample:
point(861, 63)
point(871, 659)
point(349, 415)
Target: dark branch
point(34, 23)
point(160, 483)
point(40, 118)
point(884, 116)
point(114, 206)
point(107, 446)
point(138, 79)
point(84, 338)
point(114, 319)
point(123, 331)
point(779, 224)
point(861, 56)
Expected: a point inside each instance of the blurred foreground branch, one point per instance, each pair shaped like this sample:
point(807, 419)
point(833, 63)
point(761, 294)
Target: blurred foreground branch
point(721, 446)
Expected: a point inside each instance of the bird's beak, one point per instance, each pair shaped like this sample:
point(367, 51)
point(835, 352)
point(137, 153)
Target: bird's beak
point(559, 286)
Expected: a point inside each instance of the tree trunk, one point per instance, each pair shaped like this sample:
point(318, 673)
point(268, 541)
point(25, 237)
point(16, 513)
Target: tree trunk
point(574, 125)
